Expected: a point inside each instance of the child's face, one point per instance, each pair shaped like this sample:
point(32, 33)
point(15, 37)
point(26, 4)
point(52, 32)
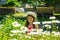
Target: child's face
point(30, 19)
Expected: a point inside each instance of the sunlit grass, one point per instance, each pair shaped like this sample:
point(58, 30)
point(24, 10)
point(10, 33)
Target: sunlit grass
point(7, 27)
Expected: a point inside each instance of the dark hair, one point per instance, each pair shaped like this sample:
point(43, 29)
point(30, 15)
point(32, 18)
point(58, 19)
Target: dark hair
point(27, 23)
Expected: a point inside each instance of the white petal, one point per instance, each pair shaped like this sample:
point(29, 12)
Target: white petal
point(53, 17)
point(36, 22)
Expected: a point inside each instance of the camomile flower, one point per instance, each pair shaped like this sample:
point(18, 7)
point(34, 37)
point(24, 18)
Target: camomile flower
point(16, 24)
point(52, 17)
point(36, 22)
point(40, 30)
point(53, 32)
point(56, 34)
point(27, 36)
point(46, 22)
point(41, 33)
point(55, 21)
point(15, 31)
point(23, 29)
point(44, 32)
point(47, 26)
point(48, 33)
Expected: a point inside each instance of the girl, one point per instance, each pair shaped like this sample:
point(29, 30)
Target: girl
point(29, 21)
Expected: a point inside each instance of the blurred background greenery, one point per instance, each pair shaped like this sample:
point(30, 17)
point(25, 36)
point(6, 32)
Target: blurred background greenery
point(10, 12)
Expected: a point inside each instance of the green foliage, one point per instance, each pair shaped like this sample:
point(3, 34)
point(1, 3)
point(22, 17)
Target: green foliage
point(33, 2)
point(5, 31)
point(11, 3)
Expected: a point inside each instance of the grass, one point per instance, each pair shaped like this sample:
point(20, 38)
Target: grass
point(6, 27)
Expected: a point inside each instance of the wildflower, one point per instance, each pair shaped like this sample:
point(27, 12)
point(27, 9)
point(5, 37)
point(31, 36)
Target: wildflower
point(27, 36)
point(46, 22)
point(16, 24)
point(36, 22)
point(15, 31)
point(53, 17)
point(23, 29)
